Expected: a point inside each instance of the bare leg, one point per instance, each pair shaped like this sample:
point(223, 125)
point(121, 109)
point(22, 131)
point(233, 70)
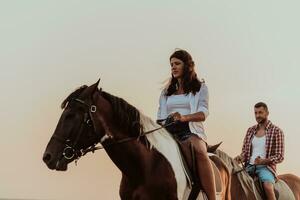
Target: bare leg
point(269, 189)
point(205, 169)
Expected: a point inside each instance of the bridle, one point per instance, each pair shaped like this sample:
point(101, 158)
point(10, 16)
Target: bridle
point(70, 150)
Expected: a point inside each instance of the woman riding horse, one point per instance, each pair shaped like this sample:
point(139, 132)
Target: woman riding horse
point(185, 100)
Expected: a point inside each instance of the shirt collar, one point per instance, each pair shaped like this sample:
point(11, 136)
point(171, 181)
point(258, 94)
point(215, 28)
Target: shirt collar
point(269, 124)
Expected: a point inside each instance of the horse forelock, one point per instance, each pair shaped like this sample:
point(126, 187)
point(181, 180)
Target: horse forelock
point(73, 95)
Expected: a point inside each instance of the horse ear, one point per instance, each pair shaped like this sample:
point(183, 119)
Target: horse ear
point(95, 86)
point(213, 148)
point(97, 83)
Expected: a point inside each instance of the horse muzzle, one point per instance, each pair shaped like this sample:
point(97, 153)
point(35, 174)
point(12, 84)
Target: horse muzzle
point(55, 164)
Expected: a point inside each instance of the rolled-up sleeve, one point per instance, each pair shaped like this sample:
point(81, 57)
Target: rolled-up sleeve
point(203, 100)
point(246, 145)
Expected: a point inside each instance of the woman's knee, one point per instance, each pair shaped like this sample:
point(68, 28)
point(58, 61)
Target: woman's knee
point(268, 186)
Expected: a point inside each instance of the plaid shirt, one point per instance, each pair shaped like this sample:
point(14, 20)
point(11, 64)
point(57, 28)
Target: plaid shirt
point(274, 145)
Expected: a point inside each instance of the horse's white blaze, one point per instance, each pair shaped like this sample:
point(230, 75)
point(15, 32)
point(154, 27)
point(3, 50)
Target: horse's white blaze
point(166, 145)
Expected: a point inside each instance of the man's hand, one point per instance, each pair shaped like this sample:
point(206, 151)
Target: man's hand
point(260, 161)
point(238, 159)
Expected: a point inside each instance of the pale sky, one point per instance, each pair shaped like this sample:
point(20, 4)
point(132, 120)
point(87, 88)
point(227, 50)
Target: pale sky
point(247, 51)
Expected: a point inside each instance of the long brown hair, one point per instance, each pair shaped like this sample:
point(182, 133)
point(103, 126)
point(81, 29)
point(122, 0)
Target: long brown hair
point(190, 81)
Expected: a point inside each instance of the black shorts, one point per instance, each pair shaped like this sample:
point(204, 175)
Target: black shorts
point(180, 130)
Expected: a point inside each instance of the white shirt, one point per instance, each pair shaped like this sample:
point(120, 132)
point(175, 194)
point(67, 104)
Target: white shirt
point(258, 148)
point(198, 103)
point(178, 103)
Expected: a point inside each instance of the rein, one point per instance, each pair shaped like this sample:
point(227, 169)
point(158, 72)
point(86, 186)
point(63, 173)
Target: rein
point(93, 148)
point(244, 169)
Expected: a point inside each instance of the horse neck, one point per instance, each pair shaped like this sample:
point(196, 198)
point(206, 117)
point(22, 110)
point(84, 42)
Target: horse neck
point(130, 157)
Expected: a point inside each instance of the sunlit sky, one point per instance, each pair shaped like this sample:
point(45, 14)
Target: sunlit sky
point(247, 51)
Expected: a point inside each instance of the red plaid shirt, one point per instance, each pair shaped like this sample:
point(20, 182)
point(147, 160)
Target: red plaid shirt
point(274, 145)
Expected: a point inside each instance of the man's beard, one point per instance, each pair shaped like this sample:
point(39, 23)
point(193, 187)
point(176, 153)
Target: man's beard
point(261, 120)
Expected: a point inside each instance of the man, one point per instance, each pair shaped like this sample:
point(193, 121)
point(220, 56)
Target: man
point(263, 148)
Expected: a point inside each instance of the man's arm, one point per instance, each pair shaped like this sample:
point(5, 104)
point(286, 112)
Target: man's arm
point(278, 156)
point(241, 158)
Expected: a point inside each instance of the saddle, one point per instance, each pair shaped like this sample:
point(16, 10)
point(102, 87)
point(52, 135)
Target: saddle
point(189, 162)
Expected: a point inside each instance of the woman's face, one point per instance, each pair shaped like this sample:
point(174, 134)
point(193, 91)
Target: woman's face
point(176, 68)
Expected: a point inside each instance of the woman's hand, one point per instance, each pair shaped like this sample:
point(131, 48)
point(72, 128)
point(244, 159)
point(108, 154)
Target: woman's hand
point(195, 117)
point(178, 117)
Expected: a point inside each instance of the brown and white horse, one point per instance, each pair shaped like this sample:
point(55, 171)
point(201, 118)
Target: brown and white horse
point(151, 164)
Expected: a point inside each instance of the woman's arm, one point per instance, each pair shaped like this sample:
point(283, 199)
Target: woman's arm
point(161, 105)
point(201, 113)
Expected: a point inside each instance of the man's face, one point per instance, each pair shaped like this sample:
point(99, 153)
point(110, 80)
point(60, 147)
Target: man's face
point(261, 115)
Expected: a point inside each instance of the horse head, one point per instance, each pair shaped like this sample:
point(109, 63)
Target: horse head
point(77, 130)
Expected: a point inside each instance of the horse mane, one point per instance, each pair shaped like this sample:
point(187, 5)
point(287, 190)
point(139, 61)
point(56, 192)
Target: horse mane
point(126, 115)
point(73, 95)
point(229, 161)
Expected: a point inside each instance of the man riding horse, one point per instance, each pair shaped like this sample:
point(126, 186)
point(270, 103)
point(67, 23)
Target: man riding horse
point(263, 148)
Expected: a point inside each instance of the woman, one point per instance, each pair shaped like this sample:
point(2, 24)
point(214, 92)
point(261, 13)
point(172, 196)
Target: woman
point(185, 99)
